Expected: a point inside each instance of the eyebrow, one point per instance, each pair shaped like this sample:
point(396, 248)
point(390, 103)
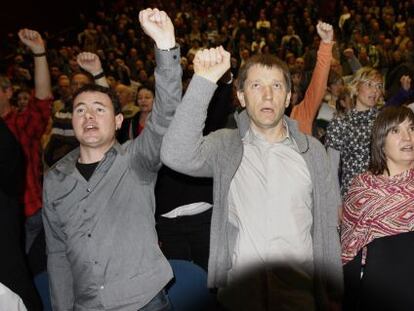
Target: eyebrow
point(93, 103)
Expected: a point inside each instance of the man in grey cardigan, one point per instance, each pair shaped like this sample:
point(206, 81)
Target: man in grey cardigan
point(274, 243)
point(102, 246)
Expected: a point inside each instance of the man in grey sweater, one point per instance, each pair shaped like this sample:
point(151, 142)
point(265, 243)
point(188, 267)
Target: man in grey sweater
point(274, 243)
point(98, 211)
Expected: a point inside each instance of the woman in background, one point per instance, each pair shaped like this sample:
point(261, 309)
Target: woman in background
point(348, 136)
point(132, 127)
point(378, 220)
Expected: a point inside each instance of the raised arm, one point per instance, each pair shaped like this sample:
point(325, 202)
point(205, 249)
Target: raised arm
point(34, 42)
point(91, 63)
point(305, 112)
point(184, 148)
point(168, 88)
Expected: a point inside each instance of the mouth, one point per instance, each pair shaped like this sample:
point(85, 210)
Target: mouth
point(407, 148)
point(372, 98)
point(267, 110)
point(90, 127)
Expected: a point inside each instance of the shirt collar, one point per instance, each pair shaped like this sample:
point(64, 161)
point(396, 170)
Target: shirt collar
point(254, 137)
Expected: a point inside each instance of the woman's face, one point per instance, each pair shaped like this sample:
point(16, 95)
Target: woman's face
point(369, 93)
point(399, 146)
point(23, 99)
point(145, 100)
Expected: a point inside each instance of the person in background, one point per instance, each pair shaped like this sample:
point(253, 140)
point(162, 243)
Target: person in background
point(135, 123)
point(377, 230)
point(28, 125)
point(14, 272)
point(305, 110)
point(348, 137)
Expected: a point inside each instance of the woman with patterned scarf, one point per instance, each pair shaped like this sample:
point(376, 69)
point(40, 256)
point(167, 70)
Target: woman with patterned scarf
point(378, 220)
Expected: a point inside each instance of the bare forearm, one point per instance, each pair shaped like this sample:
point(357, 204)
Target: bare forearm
point(43, 87)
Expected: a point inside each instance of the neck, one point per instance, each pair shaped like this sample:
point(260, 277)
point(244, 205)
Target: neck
point(360, 107)
point(398, 169)
point(93, 154)
point(273, 134)
point(143, 116)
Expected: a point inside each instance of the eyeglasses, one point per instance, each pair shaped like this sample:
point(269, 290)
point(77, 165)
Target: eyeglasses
point(373, 85)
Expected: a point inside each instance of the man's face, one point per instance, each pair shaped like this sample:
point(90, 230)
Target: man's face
point(64, 86)
point(300, 62)
point(265, 97)
point(78, 80)
point(124, 94)
point(94, 121)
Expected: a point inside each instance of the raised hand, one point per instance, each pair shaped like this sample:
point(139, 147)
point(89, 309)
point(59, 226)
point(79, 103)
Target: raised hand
point(405, 82)
point(89, 62)
point(159, 27)
point(325, 32)
point(32, 39)
point(212, 63)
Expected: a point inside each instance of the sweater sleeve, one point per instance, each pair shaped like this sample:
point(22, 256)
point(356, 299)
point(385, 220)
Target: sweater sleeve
point(184, 147)
point(146, 147)
point(305, 112)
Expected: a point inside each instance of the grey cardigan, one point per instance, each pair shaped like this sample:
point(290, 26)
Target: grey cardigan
point(219, 155)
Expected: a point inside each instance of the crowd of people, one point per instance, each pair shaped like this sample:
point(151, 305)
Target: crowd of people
point(285, 170)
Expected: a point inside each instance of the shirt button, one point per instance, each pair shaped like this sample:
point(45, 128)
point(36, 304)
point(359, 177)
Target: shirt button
point(175, 56)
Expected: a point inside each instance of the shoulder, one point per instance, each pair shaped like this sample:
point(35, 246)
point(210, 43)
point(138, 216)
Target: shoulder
point(316, 150)
point(224, 138)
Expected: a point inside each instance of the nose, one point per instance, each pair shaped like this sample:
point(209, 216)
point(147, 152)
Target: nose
point(89, 114)
point(268, 92)
point(406, 135)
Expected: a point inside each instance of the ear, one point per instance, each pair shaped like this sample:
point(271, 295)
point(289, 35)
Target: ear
point(118, 120)
point(287, 101)
point(240, 96)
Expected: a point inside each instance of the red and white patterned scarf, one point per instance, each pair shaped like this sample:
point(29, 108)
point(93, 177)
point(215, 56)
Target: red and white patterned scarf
point(375, 207)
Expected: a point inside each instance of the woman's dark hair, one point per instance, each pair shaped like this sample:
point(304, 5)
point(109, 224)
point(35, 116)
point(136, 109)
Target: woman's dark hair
point(387, 119)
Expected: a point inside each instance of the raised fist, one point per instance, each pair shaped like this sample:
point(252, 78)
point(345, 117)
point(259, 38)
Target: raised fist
point(325, 32)
point(212, 63)
point(32, 39)
point(89, 62)
point(158, 26)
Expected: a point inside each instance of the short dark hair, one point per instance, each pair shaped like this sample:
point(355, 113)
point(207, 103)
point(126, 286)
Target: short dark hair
point(265, 60)
point(101, 89)
point(387, 118)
